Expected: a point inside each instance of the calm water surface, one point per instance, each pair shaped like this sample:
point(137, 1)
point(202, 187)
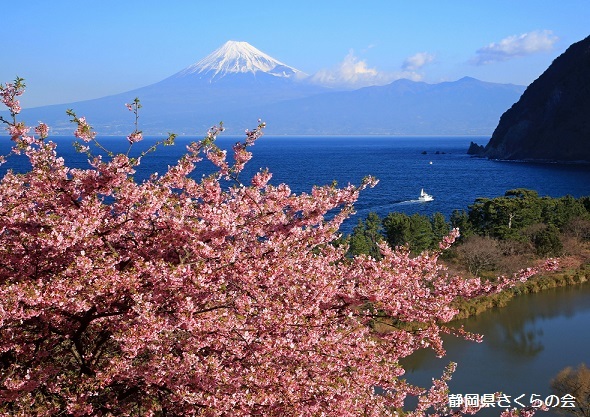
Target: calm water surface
point(526, 343)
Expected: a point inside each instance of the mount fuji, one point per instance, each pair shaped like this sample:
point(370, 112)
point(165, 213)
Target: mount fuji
point(238, 84)
point(238, 58)
point(232, 79)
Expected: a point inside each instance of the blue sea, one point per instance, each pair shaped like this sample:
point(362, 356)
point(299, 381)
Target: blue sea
point(403, 165)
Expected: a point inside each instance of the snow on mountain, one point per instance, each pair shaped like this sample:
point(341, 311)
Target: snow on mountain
point(235, 57)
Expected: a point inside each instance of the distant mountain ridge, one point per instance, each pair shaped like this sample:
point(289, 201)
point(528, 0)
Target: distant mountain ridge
point(551, 121)
point(238, 84)
point(463, 107)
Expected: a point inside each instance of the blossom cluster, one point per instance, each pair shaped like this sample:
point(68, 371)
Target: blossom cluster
point(178, 296)
point(9, 92)
point(136, 135)
point(84, 130)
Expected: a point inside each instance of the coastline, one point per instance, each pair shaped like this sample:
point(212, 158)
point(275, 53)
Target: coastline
point(571, 277)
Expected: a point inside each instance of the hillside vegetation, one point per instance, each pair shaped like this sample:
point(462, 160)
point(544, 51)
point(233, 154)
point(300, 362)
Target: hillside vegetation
point(499, 236)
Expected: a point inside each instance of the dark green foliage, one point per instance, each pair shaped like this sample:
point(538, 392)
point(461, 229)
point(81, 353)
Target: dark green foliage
point(397, 229)
point(520, 221)
point(521, 193)
point(506, 217)
point(365, 237)
point(561, 211)
point(421, 236)
point(522, 216)
point(547, 242)
point(440, 227)
point(418, 232)
point(460, 219)
point(503, 217)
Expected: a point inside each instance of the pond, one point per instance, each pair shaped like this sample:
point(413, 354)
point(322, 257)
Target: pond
point(526, 343)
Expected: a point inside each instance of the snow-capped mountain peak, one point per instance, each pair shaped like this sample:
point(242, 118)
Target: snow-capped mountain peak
point(238, 57)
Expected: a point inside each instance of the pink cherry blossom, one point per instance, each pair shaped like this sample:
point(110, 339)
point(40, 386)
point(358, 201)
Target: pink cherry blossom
point(185, 297)
point(17, 130)
point(84, 130)
point(42, 130)
point(8, 94)
point(135, 137)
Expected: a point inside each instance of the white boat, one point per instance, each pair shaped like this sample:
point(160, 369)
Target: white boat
point(424, 196)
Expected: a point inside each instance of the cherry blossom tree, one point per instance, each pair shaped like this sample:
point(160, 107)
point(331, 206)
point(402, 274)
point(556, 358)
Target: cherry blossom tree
point(190, 297)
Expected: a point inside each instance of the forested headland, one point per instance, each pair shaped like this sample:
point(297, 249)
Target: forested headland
point(498, 236)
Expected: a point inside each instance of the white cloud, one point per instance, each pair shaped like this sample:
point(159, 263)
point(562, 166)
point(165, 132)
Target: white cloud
point(417, 61)
point(515, 46)
point(353, 72)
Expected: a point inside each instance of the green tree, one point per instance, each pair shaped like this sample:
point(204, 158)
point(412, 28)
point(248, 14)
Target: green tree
point(527, 207)
point(397, 229)
point(503, 217)
point(460, 219)
point(415, 231)
point(547, 242)
point(522, 193)
point(421, 235)
point(440, 227)
point(561, 211)
point(365, 237)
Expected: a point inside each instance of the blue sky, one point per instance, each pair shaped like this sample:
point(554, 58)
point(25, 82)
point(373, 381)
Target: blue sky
point(75, 50)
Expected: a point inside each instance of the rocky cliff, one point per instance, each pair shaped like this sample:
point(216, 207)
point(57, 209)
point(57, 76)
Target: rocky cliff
point(551, 121)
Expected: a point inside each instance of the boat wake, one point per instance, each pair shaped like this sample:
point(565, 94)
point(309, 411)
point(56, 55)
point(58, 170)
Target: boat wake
point(405, 202)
